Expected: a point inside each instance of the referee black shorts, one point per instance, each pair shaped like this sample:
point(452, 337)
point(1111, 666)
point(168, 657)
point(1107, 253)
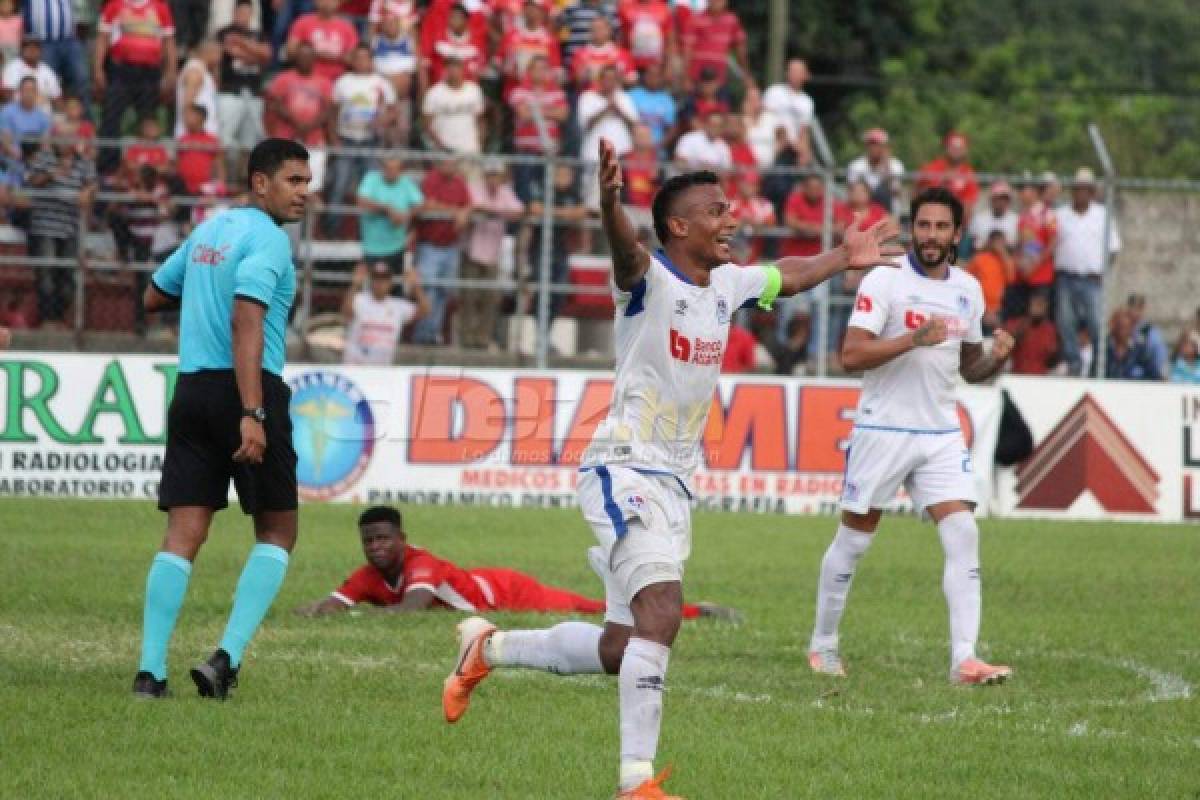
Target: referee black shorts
point(203, 433)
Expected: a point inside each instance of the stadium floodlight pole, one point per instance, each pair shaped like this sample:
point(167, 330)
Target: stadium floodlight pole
point(1110, 196)
point(825, 154)
point(543, 307)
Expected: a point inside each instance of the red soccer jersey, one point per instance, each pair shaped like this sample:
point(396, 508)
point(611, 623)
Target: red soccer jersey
point(333, 39)
point(547, 97)
point(711, 38)
point(960, 180)
point(1034, 349)
point(305, 98)
point(800, 208)
point(452, 586)
point(743, 156)
point(519, 46)
point(1039, 226)
point(195, 161)
point(136, 29)
point(645, 28)
point(466, 48)
point(144, 154)
point(590, 59)
point(641, 178)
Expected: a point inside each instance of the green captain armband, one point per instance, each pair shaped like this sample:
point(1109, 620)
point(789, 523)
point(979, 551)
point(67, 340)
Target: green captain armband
point(771, 290)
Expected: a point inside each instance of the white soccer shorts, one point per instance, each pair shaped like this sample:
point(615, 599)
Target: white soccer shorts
point(934, 468)
point(643, 525)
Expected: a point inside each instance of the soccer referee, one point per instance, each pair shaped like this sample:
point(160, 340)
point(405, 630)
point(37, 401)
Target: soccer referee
point(234, 280)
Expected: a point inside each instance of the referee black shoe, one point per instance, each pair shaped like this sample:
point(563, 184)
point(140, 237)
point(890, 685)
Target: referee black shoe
point(147, 687)
point(215, 677)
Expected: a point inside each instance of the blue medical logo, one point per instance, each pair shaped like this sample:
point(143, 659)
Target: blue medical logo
point(333, 431)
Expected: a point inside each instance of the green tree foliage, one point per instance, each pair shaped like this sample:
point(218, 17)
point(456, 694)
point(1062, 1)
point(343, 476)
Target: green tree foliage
point(1022, 78)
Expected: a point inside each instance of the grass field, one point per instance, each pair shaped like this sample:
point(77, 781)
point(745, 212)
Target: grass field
point(1099, 620)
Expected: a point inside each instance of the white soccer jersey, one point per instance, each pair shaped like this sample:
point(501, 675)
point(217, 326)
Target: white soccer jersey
point(670, 338)
point(915, 391)
point(376, 328)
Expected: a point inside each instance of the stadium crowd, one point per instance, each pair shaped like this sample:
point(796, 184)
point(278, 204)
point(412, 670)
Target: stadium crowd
point(188, 86)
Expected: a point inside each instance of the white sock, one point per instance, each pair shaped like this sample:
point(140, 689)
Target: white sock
point(960, 582)
point(837, 573)
point(641, 684)
point(569, 648)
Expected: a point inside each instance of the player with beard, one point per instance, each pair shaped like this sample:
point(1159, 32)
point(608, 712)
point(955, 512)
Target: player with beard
point(673, 314)
point(911, 330)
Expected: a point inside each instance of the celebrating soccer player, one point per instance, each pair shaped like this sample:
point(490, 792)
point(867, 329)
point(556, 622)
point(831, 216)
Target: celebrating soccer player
point(911, 329)
point(400, 577)
point(673, 314)
point(234, 280)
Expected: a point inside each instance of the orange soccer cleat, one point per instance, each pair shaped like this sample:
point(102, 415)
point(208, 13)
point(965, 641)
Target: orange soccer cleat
point(827, 662)
point(650, 789)
point(973, 672)
point(470, 669)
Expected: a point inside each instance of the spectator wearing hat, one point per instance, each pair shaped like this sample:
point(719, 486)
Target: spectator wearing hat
point(952, 171)
point(1000, 216)
point(30, 64)
point(1079, 259)
point(1035, 348)
point(388, 199)
point(708, 39)
point(452, 112)
point(1147, 333)
point(790, 103)
point(53, 22)
point(494, 204)
point(1186, 367)
point(882, 171)
point(374, 318)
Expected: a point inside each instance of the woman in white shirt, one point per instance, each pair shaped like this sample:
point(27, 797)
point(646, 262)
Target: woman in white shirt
point(765, 133)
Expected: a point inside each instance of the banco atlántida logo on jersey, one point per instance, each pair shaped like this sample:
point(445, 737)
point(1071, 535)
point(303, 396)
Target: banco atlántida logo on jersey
point(333, 431)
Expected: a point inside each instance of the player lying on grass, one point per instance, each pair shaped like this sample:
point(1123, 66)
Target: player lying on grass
point(911, 330)
point(674, 309)
point(400, 577)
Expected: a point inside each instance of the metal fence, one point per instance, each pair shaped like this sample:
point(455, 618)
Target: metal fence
point(99, 285)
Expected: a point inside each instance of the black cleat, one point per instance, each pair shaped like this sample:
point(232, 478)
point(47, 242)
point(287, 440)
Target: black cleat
point(215, 677)
point(147, 687)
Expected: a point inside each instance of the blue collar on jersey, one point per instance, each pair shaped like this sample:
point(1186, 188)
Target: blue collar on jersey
point(662, 255)
point(917, 268)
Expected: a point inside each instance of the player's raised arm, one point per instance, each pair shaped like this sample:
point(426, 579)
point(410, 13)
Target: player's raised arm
point(859, 250)
point(630, 259)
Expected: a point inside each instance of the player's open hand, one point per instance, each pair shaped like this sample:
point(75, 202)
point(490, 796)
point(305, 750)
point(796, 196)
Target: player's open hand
point(611, 180)
point(254, 442)
point(865, 249)
point(1002, 344)
point(931, 333)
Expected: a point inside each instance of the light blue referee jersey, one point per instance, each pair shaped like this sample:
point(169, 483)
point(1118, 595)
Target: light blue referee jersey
point(237, 253)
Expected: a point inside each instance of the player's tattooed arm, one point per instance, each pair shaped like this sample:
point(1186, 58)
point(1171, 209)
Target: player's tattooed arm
point(975, 366)
point(860, 249)
point(630, 259)
point(862, 349)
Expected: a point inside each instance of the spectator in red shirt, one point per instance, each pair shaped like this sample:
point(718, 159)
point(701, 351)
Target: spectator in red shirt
point(439, 243)
point(524, 42)
point(641, 169)
point(538, 89)
point(1037, 234)
point(148, 150)
point(1036, 348)
point(458, 39)
point(709, 39)
point(599, 53)
point(951, 171)
point(198, 159)
point(332, 38)
point(648, 31)
point(752, 211)
point(708, 98)
point(300, 101)
point(805, 215)
point(134, 64)
point(739, 355)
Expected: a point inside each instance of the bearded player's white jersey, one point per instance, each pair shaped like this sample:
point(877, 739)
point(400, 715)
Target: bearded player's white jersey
point(915, 391)
point(670, 338)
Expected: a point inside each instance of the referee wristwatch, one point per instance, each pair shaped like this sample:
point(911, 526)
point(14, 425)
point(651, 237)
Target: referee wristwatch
point(259, 414)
